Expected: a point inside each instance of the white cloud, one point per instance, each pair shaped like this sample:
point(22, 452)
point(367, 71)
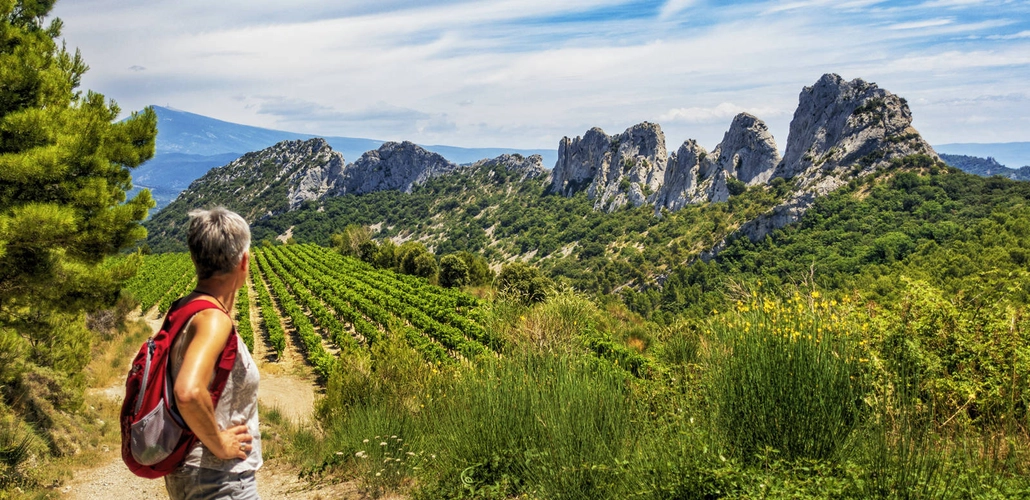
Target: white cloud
point(720, 113)
point(1014, 36)
point(525, 73)
point(929, 23)
point(673, 7)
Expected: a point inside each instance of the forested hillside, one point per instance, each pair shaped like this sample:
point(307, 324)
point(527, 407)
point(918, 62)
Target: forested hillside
point(498, 212)
point(985, 167)
point(921, 220)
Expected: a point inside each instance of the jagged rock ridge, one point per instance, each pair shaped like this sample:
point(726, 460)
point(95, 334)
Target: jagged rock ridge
point(634, 167)
point(521, 168)
point(614, 170)
point(840, 129)
point(394, 166)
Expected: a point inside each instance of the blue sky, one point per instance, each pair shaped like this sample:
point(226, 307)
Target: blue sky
point(525, 73)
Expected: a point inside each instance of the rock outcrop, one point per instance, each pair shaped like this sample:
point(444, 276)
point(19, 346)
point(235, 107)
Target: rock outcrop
point(625, 168)
point(634, 167)
point(747, 154)
point(747, 151)
point(840, 129)
point(686, 167)
point(394, 166)
point(324, 173)
point(579, 160)
point(839, 125)
point(515, 167)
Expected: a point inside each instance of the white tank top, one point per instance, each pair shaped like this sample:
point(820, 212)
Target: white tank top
point(237, 405)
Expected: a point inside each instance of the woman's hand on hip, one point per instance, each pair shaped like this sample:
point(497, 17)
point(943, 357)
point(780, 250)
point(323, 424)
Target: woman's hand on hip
point(236, 443)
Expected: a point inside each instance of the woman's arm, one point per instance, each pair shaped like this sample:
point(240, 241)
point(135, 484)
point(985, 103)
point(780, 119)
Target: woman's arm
point(211, 330)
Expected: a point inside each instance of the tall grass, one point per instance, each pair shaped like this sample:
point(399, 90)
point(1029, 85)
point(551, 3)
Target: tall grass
point(548, 425)
point(537, 424)
point(795, 398)
point(785, 376)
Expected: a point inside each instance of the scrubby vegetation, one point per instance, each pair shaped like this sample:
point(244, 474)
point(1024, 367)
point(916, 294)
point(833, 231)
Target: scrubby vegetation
point(64, 173)
point(492, 212)
point(862, 353)
point(878, 348)
point(803, 397)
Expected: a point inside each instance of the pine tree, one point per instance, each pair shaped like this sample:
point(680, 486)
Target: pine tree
point(64, 173)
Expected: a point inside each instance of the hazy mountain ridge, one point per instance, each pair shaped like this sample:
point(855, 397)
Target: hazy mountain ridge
point(840, 130)
point(985, 167)
point(1009, 154)
point(189, 145)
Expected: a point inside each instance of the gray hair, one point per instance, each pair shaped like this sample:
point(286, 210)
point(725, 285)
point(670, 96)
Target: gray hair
point(217, 238)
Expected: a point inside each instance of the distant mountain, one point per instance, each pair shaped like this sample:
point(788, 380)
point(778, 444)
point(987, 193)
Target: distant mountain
point(175, 171)
point(841, 130)
point(188, 145)
point(1009, 154)
point(190, 133)
point(985, 167)
point(295, 175)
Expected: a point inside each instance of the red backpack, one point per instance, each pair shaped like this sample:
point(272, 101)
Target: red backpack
point(155, 439)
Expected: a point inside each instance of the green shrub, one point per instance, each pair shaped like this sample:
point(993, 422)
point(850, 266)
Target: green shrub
point(735, 187)
point(368, 251)
point(785, 376)
point(350, 240)
point(386, 256)
point(523, 282)
point(417, 260)
point(454, 272)
point(479, 269)
point(540, 426)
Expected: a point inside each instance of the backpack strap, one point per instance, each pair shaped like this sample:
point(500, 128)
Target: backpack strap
point(178, 317)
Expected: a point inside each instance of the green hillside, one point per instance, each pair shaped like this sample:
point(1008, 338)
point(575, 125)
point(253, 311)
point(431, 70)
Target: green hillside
point(493, 211)
point(921, 220)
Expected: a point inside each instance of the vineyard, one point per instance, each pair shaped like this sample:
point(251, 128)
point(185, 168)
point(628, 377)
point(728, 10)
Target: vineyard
point(162, 279)
point(332, 305)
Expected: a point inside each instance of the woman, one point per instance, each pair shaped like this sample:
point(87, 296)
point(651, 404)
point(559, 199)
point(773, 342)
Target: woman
point(223, 463)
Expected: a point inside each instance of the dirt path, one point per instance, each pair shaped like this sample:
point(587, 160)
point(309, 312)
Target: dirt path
point(292, 393)
point(113, 481)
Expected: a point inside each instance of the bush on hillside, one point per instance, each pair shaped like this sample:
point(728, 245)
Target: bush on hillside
point(454, 272)
point(523, 282)
point(786, 376)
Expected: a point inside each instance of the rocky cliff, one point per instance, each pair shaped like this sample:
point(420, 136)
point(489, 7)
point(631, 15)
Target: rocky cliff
point(511, 168)
point(394, 166)
point(840, 129)
point(634, 167)
point(747, 151)
point(687, 166)
point(839, 125)
point(614, 170)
